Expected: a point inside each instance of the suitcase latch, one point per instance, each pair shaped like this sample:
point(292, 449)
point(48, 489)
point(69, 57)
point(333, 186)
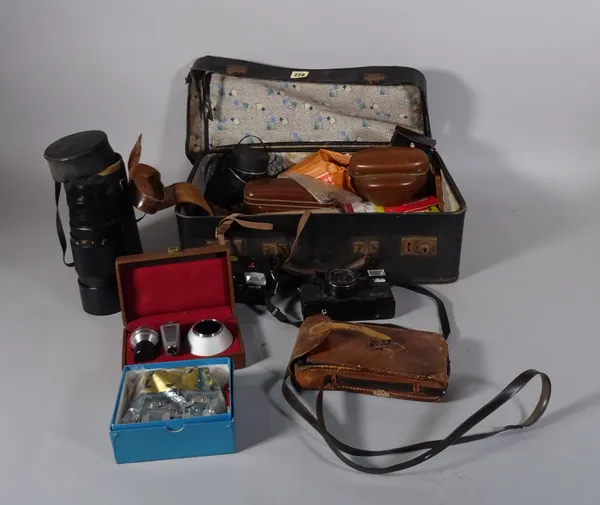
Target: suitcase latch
point(236, 69)
point(419, 246)
point(374, 78)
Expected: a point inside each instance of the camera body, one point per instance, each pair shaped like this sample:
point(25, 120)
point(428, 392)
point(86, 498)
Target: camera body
point(345, 295)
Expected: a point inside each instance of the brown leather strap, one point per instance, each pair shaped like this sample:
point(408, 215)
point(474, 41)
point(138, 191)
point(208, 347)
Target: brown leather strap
point(289, 267)
point(432, 447)
point(226, 223)
point(150, 195)
point(322, 330)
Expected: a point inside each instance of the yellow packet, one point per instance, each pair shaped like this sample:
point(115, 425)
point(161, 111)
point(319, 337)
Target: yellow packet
point(159, 381)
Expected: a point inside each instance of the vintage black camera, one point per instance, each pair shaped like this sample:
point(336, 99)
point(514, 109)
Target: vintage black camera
point(101, 216)
point(346, 295)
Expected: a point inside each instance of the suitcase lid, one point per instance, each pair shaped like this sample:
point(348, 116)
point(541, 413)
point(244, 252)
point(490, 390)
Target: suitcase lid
point(159, 283)
point(230, 101)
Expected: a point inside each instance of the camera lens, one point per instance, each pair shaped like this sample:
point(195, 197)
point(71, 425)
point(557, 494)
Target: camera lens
point(144, 343)
point(101, 217)
point(341, 282)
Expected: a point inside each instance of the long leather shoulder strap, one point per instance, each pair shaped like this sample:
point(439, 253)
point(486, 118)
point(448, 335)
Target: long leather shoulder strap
point(431, 447)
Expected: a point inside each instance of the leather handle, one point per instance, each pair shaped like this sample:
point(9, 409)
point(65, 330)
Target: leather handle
point(432, 447)
point(289, 267)
point(226, 223)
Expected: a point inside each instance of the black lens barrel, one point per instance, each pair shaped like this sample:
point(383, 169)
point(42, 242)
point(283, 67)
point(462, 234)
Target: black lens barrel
point(101, 217)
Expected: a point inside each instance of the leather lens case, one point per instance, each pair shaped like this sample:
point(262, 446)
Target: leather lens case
point(389, 176)
point(278, 195)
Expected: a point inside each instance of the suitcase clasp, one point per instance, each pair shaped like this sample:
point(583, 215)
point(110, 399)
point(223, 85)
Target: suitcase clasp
point(374, 78)
point(419, 246)
point(236, 69)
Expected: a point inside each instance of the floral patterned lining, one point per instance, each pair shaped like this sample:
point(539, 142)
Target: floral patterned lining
point(285, 111)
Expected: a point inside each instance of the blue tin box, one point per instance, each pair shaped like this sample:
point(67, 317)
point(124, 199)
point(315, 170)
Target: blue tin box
point(175, 438)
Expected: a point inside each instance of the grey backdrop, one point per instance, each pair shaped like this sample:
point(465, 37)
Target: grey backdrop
point(514, 106)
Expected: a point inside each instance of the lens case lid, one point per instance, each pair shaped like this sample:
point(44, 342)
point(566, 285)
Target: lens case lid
point(247, 161)
point(80, 154)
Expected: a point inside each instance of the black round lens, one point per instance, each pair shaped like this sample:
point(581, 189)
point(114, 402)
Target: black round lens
point(341, 283)
point(207, 327)
point(144, 351)
point(342, 278)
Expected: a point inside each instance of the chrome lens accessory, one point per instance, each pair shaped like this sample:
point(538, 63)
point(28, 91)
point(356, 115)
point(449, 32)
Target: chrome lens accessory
point(144, 343)
point(209, 337)
point(171, 339)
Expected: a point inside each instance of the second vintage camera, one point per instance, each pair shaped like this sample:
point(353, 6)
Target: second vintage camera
point(346, 295)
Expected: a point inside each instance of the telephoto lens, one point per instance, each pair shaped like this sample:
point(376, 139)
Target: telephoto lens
point(101, 217)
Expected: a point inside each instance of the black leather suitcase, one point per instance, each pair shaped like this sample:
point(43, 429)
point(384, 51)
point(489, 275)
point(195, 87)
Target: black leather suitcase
point(295, 112)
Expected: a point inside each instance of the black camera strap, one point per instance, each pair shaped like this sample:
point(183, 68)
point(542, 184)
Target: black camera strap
point(278, 314)
point(59, 227)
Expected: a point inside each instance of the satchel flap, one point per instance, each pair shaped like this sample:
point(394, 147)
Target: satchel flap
point(231, 99)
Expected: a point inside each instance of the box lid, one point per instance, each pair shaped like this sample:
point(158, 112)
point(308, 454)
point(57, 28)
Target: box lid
point(160, 283)
point(229, 100)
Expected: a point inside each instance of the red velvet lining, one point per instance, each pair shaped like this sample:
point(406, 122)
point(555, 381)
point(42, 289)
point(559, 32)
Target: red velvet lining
point(186, 319)
point(188, 284)
point(184, 290)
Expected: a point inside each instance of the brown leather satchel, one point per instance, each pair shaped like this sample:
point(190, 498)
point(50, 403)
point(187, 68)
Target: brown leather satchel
point(278, 195)
point(389, 176)
point(393, 362)
point(365, 358)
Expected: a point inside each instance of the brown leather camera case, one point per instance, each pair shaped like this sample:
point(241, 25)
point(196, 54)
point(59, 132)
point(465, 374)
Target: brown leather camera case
point(278, 195)
point(389, 176)
point(361, 358)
